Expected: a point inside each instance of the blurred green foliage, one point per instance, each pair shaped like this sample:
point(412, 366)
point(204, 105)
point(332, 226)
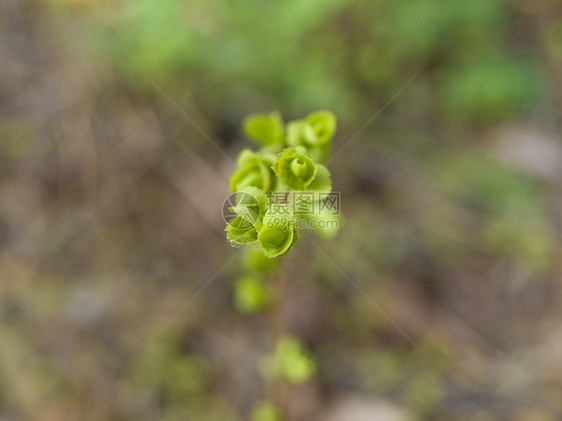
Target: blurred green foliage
point(181, 380)
point(163, 368)
point(491, 89)
point(514, 205)
point(254, 260)
point(266, 411)
point(418, 379)
point(323, 54)
point(471, 177)
point(290, 362)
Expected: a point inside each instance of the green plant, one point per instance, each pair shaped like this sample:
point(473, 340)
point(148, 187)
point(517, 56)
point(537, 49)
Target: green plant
point(278, 190)
point(283, 186)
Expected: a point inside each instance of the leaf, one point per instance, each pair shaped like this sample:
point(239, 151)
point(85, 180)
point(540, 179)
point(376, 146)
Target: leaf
point(265, 129)
point(315, 131)
point(323, 124)
point(301, 134)
point(322, 181)
point(320, 153)
point(253, 170)
point(297, 132)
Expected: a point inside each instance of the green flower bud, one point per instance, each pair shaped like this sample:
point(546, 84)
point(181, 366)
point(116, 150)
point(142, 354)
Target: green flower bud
point(298, 132)
point(301, 133)
point(253, 170)
point(251, 204)
point(294, 169)
point(251, 294)
point(299, 167)
point(265, 129)
point(241, 231)
point(290, 362)
point(323, 124)
point(314, 131)
point(278, 232)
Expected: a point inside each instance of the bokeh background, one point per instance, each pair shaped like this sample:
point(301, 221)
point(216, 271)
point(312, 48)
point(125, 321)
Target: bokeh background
point(111, 188)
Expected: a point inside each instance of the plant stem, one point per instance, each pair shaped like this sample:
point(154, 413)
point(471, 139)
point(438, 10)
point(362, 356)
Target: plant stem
point(277, 386)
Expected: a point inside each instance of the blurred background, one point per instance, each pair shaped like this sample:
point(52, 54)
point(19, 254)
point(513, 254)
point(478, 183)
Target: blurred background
point(113, 116)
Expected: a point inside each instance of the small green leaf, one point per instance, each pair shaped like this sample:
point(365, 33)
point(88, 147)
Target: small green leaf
point(265, 129)
point(322, 181)
point(294, 169)
point(253, 170)
point(320, 153)
point(323, 124)
point(315, 131)
point(297, 132)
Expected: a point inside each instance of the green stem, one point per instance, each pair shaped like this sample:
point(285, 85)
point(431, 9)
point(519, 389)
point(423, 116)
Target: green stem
point(277, 387)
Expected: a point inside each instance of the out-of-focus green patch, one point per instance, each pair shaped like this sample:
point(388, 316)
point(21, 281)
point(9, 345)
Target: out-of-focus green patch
point(424, 391)
point(163, 369)
point(381, 370)
point(253, 259)
point(251, 294)
point(15, 139)
point(266, 411)
point(381, 250)
point(479, 181)
point(530, 241)
point(552, 38)
point(426, 27)
point(181, 380)
point(511, 214)
point(490, 90)
point(447, 235)
point(290, 362)
point(534, 414)
point(319, 54)
point(206, 408)
point(432, 351)
point(356, 319)
point(417, 379)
